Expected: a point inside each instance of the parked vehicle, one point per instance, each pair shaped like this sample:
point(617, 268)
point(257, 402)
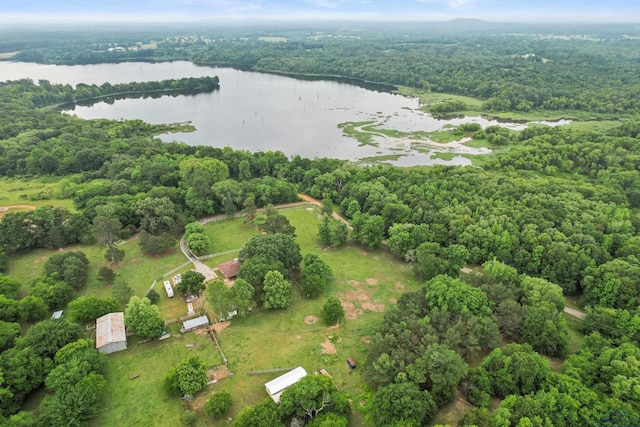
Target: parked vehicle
point(351, 363)
point(168, 289)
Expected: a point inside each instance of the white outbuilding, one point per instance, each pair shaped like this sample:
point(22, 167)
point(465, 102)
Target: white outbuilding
point(193, 324)
point(277, 386)
point(110, 333)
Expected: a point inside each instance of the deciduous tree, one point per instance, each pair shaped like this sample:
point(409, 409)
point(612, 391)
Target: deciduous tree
point(277, 291)
point(218, 404)
point(186, 378)
point(332, 311)
point(192, 283)
point(402, 401)
point(32, 308)
point(243, 293)
point(143, 318)
point(88, 308)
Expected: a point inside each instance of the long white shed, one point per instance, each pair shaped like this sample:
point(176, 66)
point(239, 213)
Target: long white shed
point(277, 386)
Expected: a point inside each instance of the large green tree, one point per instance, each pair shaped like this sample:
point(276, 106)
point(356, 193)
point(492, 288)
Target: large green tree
point(192, 283)
point(278, 247)
point(68, 267)
point(88, 308)
point(277, 291)
point(187, 377)
point(312, 395)
point(315, 276)
point(402, 401)
point(143, 318)
point(242, 293)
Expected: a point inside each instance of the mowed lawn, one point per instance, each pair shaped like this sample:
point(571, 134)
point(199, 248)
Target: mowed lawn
point(141, 401)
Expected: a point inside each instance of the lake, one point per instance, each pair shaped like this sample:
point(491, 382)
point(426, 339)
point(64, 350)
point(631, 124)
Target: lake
point(260, 112)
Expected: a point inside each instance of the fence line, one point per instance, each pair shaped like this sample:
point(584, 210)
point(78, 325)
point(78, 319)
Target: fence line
point(206, 257)
point(213, 335)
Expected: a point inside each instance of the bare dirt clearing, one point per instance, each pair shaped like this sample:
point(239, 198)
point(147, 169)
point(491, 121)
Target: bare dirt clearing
point(310, 320)
point(5, 209)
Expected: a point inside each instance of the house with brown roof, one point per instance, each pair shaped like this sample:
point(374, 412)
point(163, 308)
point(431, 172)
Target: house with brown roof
point(230, 269)
point(110, 333)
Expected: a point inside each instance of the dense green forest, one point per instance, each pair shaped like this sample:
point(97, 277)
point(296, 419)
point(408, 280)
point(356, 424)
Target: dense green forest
point(590, 68)
point(555, 215)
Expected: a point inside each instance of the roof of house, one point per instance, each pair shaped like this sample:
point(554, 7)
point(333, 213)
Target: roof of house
point(110, 328)
point(230, 268)
point(194, 323)
point(276, 386)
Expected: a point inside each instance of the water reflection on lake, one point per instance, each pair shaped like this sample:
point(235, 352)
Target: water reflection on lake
point(258, 111)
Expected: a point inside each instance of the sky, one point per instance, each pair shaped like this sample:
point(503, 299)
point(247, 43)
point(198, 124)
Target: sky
point(19, 11)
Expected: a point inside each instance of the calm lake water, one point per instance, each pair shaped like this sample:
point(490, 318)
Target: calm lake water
point(258, 111)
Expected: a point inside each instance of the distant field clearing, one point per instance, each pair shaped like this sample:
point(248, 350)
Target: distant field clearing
point(6, 209)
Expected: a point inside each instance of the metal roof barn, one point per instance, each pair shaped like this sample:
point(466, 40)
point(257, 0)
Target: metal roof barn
point(110, 333)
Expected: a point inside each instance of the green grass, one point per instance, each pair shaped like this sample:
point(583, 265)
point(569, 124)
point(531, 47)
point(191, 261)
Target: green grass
point(138, 269)
point(141, 401)
point(351, 129)
point(31, 191)
point(443, 136)
point(380, 158)
point(429, 98)
point(229, 234)
point(446, 156)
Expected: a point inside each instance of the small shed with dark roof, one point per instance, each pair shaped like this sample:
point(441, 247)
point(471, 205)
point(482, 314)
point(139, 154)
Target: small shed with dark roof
point(110, 333)
point(230, 268)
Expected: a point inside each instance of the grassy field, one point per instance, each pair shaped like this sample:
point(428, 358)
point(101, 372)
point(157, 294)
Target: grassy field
point(582, 119)
point(141, 401)
point(138, 269)
point(34, 192)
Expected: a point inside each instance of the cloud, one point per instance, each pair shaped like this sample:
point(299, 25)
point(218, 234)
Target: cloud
point(328, 4)
point(451, 3)
point(458, 3)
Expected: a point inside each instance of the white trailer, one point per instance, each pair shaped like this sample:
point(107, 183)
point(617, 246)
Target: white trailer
point(168, 288)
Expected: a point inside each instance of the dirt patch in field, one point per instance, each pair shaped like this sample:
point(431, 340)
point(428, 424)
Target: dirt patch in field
point(219, 327)
point(356, 301)
point(372, 281)
point(359, 295)
point(5, 209)
point(373, 307)
point(219, 373)
point(329, 347)
point(354, 283)
point(399, 287)
point(466, 270)
point(310, 320)
point(350, 310)
point(365, 340)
